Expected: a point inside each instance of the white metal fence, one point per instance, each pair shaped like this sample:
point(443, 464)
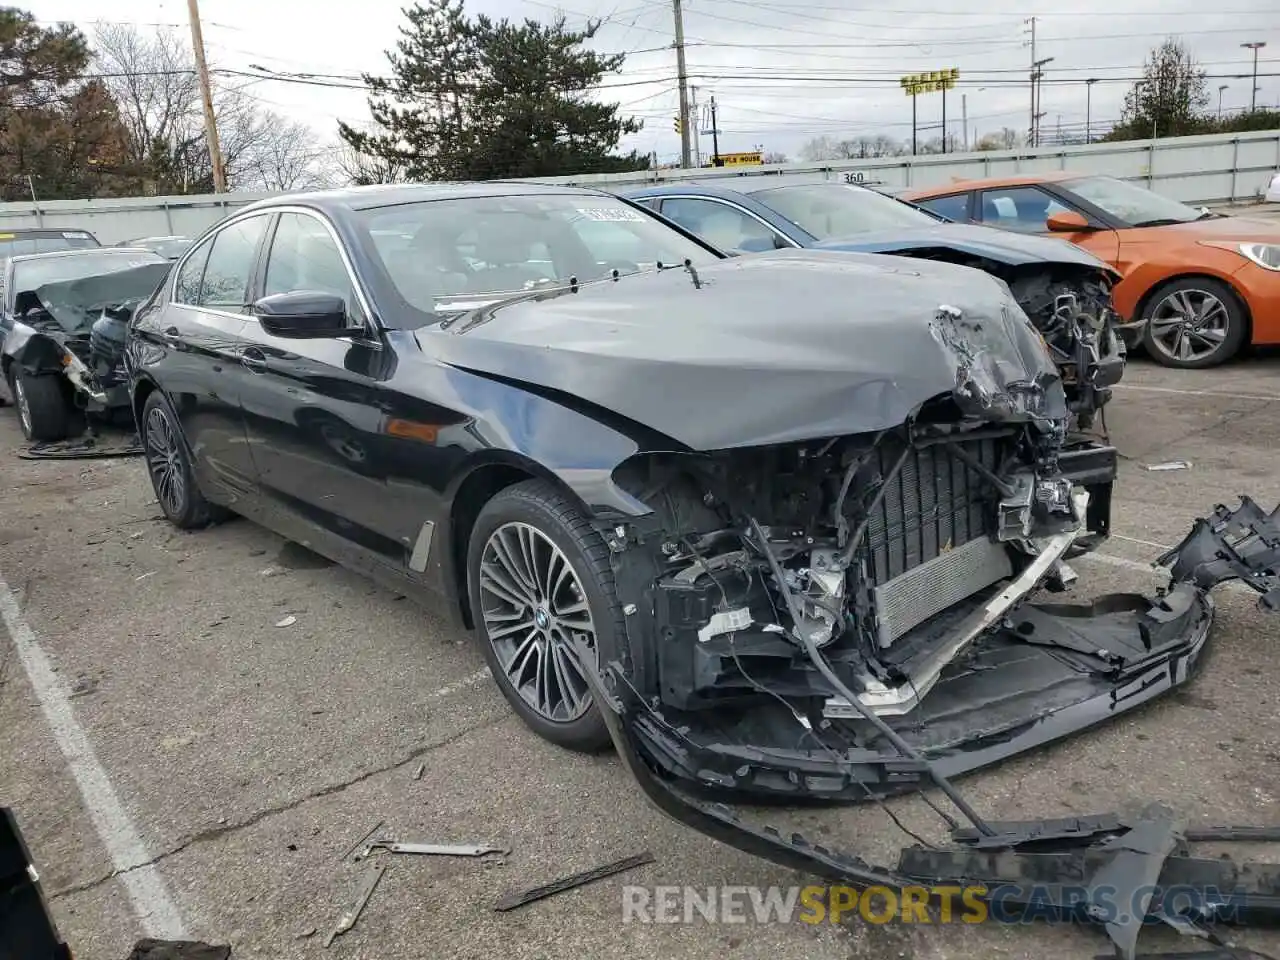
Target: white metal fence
point(1202, 170)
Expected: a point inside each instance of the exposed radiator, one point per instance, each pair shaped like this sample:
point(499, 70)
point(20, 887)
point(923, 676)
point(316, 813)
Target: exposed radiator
point(907, 601)
point(928, 542)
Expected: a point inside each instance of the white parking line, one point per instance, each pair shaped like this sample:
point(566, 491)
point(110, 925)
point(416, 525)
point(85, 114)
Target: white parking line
point(1233, 586)
point(1194, 393)
point(1145, 543)
point(1115, 561)
point(155, 908)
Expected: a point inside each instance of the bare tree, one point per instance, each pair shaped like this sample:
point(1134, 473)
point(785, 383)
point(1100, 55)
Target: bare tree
point(350, 166)
point(151, 78)
point(775, 156)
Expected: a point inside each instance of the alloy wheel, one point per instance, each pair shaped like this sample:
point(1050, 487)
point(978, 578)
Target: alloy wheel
point(1189, 324)
point(534, 611)
point(164, 460)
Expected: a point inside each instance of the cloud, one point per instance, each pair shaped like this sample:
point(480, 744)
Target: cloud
point(781, 71)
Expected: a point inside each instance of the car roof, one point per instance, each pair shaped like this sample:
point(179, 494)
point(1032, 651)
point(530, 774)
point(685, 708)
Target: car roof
point(388, 195)
point(962, 186)
point(12, 232)
point(730, 188)
point(693, 187)
point(94, 251)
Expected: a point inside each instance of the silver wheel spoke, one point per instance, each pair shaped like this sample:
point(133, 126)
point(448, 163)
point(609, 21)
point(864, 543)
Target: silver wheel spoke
point(497, 579)
point(1189, 325)
point(164, 460)
point(534, 609)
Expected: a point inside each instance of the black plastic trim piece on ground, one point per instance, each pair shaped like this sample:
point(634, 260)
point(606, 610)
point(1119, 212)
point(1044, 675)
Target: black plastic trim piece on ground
point(1073, 870)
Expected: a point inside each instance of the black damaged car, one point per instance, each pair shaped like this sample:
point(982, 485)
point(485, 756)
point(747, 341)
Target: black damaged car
point(786, 561)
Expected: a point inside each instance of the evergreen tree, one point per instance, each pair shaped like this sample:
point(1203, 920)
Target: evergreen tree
point(62, 132)
point(481, 99)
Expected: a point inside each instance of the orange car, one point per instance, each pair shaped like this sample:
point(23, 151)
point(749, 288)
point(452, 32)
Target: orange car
point(1197, 286)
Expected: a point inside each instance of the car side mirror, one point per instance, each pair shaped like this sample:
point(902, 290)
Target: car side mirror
point(1068, 221)
point(304, 314)
point(762, 244)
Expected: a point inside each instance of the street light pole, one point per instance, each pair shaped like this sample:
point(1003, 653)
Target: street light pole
point(1220, 89)
point(1255, 46)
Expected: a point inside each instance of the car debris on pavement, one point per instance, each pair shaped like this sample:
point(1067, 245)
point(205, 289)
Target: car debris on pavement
point(434, 849)
point(351, 914)
point(513, 900)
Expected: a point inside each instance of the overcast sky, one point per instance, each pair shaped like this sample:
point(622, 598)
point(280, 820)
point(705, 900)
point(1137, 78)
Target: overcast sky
point(782, 71)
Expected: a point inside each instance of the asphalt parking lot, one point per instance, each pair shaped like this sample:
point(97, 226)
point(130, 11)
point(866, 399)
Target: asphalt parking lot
point(181, 765)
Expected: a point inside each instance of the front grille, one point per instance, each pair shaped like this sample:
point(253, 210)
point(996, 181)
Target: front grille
point(935, 506)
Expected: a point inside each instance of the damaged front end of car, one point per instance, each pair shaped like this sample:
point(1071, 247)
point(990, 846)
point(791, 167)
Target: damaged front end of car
point(852, 617)
point(77, 329)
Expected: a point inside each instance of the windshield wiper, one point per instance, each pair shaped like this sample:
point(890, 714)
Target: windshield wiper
point(1211, 215)
point(1160, 222)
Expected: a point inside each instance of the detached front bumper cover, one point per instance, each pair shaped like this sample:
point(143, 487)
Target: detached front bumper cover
point(1123, 872)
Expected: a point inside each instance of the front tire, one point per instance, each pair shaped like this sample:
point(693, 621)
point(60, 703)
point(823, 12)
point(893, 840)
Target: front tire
point(1194, 323)
point(43, 411)
point(539, 578)
point(170, 468)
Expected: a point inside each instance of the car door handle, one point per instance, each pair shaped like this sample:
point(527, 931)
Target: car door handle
point(254, 359)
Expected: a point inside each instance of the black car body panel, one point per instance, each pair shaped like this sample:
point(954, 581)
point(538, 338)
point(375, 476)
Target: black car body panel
point(873, 340)
point(821, 548)
point(1023, 250)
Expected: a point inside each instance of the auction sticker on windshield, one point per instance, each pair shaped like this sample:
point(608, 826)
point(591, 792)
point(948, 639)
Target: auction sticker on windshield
point(611, 214)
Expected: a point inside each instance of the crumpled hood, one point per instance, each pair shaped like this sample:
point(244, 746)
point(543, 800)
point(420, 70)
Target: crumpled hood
point(776, 347)
point(1015, 249)
point(75, 304)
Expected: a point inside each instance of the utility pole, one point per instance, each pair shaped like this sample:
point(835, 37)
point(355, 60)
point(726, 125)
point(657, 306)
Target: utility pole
point(964, 120)
point(1088, 109)
point(715, 134)
point(1220, 90)
point(1031, 128)
point(682, 74)
point(1253, 93)
point(697, 126)
point(1037, 78)
point(210, 124)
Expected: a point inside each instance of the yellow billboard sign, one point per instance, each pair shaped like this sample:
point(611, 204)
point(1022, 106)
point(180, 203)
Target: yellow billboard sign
point(932, 81)
point(747, 159)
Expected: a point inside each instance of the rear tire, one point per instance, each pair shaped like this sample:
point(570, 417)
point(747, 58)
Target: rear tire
point(43, 411)
point(1204, 314)
point(539, 576)
point(170, 467)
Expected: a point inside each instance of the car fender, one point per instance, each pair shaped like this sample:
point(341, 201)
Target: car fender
point(33, 351)
point(1145, 276)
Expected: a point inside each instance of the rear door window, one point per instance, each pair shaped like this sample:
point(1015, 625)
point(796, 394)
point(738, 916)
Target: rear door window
point(954, 207)
point(230, 266)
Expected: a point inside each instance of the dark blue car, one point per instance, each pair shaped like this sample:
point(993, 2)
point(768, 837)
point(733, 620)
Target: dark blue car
point(1065, 290)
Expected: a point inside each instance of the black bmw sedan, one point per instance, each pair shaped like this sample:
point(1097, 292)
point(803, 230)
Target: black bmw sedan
point(786, 498)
